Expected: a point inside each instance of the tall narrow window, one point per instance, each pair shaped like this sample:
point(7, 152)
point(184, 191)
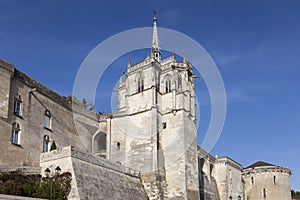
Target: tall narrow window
point(264, 193)
point(46, 143)
point(230, 198)
point(179, 82)
point(141, 84)
point(168, 86)
point(274, 179)
point(211, 168)
point(16, 133)
point(252, 180)
point(239, 197)
point(18, 105)
point(118, 145)
point(47, 119)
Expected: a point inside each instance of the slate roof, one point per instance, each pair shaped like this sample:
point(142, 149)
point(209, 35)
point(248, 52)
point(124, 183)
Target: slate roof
point(260, 164)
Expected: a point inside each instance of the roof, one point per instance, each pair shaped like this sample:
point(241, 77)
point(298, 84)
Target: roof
point(260, 164)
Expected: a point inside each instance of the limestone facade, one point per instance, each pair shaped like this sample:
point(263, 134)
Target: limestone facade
point(265, 181)
point(154, 129)
point(153, 135)
point(32, 117)
point(228, 174)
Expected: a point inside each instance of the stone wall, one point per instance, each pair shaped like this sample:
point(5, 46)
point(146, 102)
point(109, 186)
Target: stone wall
point(94, 177)
point(154, 130)
point(6, 72)
point(272, 180)
point(228, 174)
point(35, 100)
point(208, 188)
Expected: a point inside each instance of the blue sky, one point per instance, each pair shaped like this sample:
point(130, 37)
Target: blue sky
point(255, 45)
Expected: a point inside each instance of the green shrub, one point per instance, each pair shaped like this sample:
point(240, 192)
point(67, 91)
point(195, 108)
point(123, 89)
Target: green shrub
point(16, 183)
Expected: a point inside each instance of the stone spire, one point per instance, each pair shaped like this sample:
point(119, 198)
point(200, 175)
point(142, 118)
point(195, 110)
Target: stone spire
point(155, 42)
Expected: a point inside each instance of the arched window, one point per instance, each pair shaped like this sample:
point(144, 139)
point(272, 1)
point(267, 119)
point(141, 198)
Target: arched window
point(139, 78)
point(18, 105)
point(47, 119)
point(140, 84)
point(239, 197)
point(264, 193)
point(16, 133)
point(46, 143)
point(168, 85)
point(179, 82)
point(230, 197)
point(274, 179)
point(118, 145)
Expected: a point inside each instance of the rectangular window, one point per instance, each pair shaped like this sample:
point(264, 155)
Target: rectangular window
point(140, 85)
point(168, 86)
point(15, 134)
point(18, 105)
point(47, 119)
point(46, 143)
point(15, 137)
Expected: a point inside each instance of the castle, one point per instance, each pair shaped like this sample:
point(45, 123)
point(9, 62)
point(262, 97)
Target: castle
point(146, 150)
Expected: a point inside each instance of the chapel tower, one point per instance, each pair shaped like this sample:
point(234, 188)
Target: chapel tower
point(154, 129)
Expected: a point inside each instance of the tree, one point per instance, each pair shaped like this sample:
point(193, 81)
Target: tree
point(295, 195)
point(53, 146)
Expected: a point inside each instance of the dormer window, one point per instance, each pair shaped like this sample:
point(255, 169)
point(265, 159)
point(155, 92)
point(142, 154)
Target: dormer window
point(18, 105)
point(16, 133)
point(47, 119)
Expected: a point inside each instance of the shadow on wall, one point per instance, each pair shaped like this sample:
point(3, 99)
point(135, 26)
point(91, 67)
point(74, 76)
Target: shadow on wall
point(207, 183)
point(100, 144)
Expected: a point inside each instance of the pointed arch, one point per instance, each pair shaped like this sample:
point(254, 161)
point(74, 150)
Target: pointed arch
point(140, 82)
point(167, 80)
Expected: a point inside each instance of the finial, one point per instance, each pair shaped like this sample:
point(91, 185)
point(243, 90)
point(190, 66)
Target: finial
point(154, 14)
point(129, 63)
point(184, 58)
point(121, 79)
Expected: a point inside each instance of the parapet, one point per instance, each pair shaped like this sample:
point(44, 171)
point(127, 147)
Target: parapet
point(6, 65)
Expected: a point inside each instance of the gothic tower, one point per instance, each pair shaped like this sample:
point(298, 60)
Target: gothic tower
point(154, 129)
